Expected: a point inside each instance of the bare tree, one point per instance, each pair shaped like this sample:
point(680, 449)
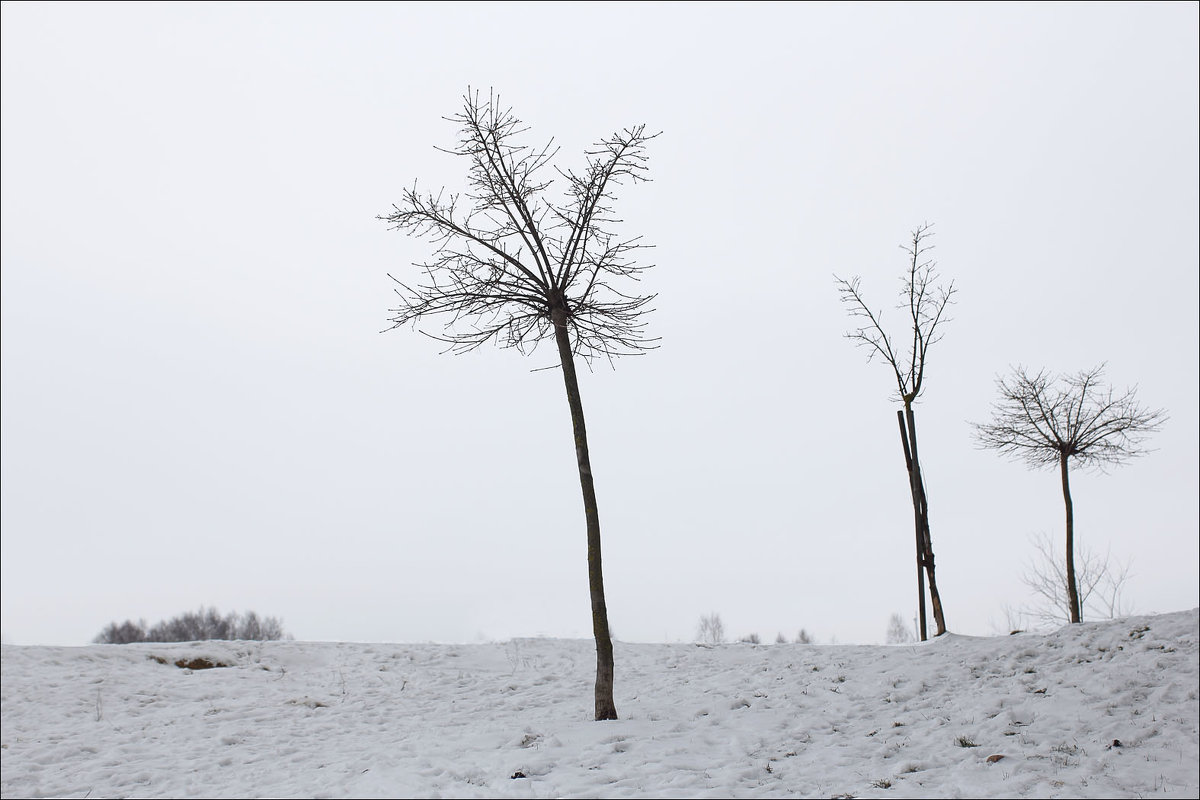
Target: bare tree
point(515, 267)
point(898, 631)
point(1047, 421)
point(1099, 580)
point(803, 637)
point(925, 302)
point(711, 630)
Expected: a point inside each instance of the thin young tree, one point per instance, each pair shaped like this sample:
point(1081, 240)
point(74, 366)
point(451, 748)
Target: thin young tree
point(924, 301)
point(515, 266)
point(1048, 421)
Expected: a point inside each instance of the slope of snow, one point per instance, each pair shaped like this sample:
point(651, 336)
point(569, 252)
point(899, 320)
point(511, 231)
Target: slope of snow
point(1106, 709)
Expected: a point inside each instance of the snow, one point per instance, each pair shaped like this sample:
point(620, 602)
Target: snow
point(1101, 709)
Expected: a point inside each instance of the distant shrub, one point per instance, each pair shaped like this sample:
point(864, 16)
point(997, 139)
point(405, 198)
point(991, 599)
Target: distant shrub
point(125, 633)
point(752, 638)
point(803, 637)
point(711, 630)
point(898, 632)
point(197, 626)
point(780, 639)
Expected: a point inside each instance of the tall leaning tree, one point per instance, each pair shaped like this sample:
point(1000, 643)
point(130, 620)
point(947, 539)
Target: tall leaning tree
point(1048, 421)
point(923, 301)
point(515, 265)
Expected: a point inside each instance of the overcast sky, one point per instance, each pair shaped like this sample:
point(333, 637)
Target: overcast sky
point(200, 408)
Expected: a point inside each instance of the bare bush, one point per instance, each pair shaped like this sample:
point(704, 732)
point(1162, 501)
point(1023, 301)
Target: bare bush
point(202, 625)
point(803, 637)
point(1013, 621)
point(126, 632)
point(1100, 579)
point(897, 631)
point(711, 630)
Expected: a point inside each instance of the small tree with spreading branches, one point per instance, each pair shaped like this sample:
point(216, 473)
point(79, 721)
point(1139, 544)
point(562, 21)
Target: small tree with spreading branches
point(1048, 421)
point(514, 266)
point(924, 301)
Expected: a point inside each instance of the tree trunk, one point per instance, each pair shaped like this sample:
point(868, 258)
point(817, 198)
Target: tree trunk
point(1072, 588)
point(921, 504)
point(605, 707)
point(923, 627)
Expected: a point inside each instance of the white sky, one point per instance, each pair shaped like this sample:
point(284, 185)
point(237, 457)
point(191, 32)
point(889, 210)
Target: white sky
point(199, 407)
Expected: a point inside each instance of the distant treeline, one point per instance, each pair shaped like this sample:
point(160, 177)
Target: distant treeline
point(196, 626)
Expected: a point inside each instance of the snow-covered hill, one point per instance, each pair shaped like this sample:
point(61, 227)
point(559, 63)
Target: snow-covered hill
point(1104, 709)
